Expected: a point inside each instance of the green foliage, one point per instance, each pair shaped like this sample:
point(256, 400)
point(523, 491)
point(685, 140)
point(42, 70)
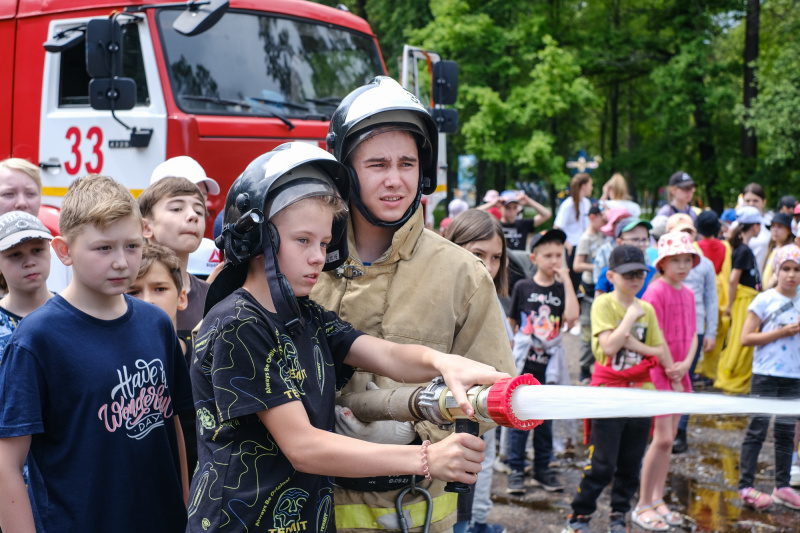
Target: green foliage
point(652, 86)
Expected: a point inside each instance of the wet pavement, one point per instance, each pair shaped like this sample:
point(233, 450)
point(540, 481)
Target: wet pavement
point(701, 484)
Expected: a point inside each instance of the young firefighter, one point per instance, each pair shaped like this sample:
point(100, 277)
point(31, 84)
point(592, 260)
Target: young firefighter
point(541, 307)
point(91, 382)
point(627, 342)
point(397, 284)
point(174, 213)
point(268, 361)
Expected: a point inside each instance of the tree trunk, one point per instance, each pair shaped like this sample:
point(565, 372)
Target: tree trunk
point(749, 139)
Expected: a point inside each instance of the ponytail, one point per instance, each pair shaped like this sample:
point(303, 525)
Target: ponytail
point(736, 234)
point(575, 185)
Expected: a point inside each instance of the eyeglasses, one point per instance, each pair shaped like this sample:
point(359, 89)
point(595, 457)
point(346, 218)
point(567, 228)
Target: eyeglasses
point(636, 274)
point(637, 241)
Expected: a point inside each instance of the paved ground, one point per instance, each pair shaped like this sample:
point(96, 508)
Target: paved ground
point(701, 484)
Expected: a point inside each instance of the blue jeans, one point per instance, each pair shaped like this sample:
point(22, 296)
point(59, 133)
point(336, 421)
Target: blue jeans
point(542, 448)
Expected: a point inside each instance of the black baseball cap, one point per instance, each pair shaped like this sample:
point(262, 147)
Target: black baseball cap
point(681, 179)
point(551, 235)
point(783, 219)
point(626, 258)
point(707, 223)
point(787, 201)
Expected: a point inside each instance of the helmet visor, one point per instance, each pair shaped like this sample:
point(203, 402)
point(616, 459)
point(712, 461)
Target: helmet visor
point(301, 183)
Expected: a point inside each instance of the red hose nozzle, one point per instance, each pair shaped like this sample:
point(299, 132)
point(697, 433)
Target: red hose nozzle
point(498, 402)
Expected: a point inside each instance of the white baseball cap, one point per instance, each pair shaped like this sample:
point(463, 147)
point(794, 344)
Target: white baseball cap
point(184, 167)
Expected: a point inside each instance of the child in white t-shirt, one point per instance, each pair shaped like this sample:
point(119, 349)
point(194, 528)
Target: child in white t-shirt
point(773, 327)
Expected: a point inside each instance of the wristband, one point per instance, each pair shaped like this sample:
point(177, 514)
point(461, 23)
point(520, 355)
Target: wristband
point(425, 471)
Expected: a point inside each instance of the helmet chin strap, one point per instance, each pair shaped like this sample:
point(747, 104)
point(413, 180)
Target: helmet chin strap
point(281, 291)
point(355, 197)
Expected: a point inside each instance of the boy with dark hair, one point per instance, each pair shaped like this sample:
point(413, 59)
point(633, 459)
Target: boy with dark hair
point(541, 307)
point(88, 394)
point(268, 361)
point(174, 214)
point(627, 342)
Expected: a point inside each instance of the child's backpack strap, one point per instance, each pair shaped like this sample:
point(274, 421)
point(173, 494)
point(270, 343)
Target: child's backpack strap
point(775, 314)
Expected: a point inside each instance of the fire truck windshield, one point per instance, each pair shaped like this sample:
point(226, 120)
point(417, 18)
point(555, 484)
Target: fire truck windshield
point(264, 65)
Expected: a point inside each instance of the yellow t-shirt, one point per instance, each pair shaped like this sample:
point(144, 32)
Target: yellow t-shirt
point(607, 313)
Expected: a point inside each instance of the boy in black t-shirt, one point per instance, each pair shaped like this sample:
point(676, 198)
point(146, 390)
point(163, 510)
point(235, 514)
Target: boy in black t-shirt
point(516, 230)
point(268, 361)
point(541, 307)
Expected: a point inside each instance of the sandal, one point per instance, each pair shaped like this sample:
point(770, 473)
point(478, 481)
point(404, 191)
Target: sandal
point(670, 517)
point(656, 523)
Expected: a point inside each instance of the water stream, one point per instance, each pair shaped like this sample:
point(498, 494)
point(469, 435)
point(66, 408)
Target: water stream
point(553, 402)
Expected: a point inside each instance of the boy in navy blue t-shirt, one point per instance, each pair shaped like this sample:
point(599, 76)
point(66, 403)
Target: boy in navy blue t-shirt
point(268, 361)
point(89, 387)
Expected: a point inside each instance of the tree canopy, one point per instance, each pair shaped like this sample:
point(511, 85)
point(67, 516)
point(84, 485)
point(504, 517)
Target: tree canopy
point(652, 86)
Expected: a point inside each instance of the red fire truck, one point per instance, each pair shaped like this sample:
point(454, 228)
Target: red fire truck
point(116, 87)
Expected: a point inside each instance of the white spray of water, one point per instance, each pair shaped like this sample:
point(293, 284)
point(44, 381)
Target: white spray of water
point(553, 402)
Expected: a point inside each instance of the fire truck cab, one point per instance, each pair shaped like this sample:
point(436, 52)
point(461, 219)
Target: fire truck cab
point(117, 87)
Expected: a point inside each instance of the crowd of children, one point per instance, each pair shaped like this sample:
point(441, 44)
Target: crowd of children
point(130, 377)
point(663, 305)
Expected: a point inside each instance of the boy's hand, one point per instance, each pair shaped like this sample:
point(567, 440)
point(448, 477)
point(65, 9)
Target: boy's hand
point(460, 374)
point(709, 343)
point(635, 310)
point(456, 458)
point(562, 275)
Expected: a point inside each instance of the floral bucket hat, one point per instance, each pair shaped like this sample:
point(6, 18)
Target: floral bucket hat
point(676, 243)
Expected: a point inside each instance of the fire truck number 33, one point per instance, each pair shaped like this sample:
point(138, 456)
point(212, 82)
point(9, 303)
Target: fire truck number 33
point(95, 135)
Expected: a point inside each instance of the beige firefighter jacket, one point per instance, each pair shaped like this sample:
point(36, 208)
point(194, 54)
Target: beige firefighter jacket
point(423, 290)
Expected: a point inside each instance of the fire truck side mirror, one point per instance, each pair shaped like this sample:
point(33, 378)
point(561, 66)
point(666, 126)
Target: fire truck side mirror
point(446, 119)
point(445, 82)
point(199, 17)
point(103, 48)
point(116, 94)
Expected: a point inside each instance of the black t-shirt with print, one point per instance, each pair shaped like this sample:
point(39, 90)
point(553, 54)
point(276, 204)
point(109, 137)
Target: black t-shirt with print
point(743, 259)
point(516, 232)
point(538, 311)
point(245, 362)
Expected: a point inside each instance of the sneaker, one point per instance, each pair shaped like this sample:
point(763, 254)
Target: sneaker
point(679, 445)
point(516, 482)
point(479, 527)
point(548, 481)
point(617, 523)
point(755, 498)
point(794, 480)
point(578, 524)
point(501, 466)
point(786, 496)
